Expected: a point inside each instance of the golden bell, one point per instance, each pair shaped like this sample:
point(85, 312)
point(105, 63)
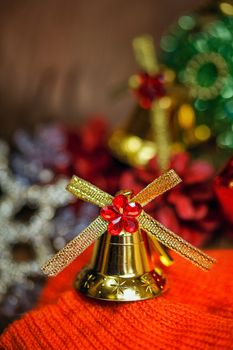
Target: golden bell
point(162, 131)
point(122, 268)
point(165, 125)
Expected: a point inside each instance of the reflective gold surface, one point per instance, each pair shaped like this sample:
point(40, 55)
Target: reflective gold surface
point(121, 269)
point(131, 149)
point(116, 288)
point(134, 143)
point(162, 251)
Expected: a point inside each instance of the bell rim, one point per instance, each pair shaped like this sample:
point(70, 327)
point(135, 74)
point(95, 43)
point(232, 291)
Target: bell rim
point(96, 285)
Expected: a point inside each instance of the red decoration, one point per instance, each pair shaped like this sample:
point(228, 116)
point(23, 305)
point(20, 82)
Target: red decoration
point(223, 186)
point(121, 215)
point(150, 87)
point(88, 156)
point(190, 209)
point(196, 313)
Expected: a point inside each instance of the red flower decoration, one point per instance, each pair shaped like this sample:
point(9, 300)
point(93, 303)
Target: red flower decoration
point(150, 87)
point(121, 215)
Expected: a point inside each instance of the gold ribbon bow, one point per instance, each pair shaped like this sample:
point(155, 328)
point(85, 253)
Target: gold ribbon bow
point(90, 193)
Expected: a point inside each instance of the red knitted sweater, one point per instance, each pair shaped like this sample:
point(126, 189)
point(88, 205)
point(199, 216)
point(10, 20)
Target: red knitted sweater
point(195, 313)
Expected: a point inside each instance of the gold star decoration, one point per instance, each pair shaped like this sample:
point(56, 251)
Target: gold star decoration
point(148, 284)
point(88, 281)
point(118, 287)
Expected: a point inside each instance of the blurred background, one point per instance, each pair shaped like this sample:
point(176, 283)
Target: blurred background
point(60, 59)
point(74, 89)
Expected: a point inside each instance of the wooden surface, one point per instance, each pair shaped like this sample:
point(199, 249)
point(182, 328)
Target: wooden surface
point(60, 59)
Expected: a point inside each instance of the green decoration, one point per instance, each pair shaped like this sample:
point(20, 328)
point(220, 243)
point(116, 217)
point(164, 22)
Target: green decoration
point(199, 47)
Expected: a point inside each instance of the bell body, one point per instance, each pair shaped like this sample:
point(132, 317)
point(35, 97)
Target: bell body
point(121, 269)
point(134, 144)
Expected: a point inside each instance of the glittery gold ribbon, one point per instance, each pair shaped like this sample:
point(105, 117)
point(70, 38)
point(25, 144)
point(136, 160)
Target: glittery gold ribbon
point(160, 128)
point(75, 247)
point(145, 55)
point(88, 192)
point(175, 242)
point(157, 187)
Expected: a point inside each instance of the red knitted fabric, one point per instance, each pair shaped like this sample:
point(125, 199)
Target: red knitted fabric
point(195, 313)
